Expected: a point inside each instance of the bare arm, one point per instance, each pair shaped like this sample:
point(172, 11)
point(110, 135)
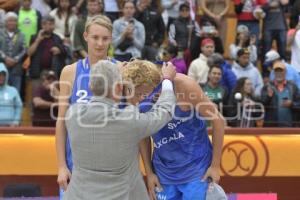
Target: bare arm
point(38, 102)
point(208, 110)
point(206, 10)
point(227, 2)
point(66, 80)
point(145, 150)
point(32, 48)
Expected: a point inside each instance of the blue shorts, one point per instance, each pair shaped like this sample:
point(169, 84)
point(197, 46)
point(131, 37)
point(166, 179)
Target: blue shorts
point(195, 190)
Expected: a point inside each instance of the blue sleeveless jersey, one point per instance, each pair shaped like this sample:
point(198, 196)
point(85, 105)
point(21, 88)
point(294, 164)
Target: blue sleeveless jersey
point(80, 94)
point(182, 149)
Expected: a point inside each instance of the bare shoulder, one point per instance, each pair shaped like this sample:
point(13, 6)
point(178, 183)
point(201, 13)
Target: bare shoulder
point(185, 84)
point(68, 73)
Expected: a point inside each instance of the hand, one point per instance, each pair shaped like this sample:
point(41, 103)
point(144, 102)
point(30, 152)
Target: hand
point(10, 62)
point(270, 92)
point(168, 70)
point(248, 102)
point(64, 176)
point(286, 103)
point(152, 183)
point(41, 35)
point(218, 18)
point(213, 173)
point(253, 40)
point(55, 50)
point(54, 90)
point(67, 41)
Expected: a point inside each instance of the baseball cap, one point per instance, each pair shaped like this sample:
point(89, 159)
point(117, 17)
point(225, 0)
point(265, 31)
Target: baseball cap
point(217, 193)
point(242, 52)
point(242, 28)
point(184, 5)
point(271, 56)
point(278, 65)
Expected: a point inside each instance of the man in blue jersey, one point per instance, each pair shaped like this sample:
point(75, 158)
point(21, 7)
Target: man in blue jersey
point(74, 87)
point(184, 160)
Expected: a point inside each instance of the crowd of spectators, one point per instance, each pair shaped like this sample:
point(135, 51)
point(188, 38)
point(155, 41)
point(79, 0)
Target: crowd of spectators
point(258, 81)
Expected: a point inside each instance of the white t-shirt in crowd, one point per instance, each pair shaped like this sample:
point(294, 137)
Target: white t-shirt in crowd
point(111, 6)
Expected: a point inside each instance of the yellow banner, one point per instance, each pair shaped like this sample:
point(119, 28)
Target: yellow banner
point(243, 155)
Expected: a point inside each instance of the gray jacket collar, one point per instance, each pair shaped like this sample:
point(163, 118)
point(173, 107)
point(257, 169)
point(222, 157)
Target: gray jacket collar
point(104, 100)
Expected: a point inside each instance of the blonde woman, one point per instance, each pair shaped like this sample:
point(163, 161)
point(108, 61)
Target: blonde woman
point(74, 88)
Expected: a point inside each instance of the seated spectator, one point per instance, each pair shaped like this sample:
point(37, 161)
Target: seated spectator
point(46, 51)
point(64, 25)
point(64, 21)
point(12, 50)
point(208, 30)
point(94, 7)
point(29, 21)
point(244, 40)
point(213, 89)
point(279, 97)
point(183, 32)
point(228, 78)
point(128, 36)
point(10, 101)
point(44, 101)
point(291, 73)
point(152, 20)
point(242, 67)
point(243, 107)
point(198, 69)
point(170, 53)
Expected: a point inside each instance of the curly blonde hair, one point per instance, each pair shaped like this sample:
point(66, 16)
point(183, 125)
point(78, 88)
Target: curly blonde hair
point(140, 72)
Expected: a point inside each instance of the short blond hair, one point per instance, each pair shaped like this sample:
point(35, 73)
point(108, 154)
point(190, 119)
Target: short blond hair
point(141, 72)
point(100, 20)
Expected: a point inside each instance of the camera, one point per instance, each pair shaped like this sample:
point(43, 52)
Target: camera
point(208, 29)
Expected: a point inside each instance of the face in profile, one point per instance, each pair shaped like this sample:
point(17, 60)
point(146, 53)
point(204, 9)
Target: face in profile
point(98, 39)
point(139, 93)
